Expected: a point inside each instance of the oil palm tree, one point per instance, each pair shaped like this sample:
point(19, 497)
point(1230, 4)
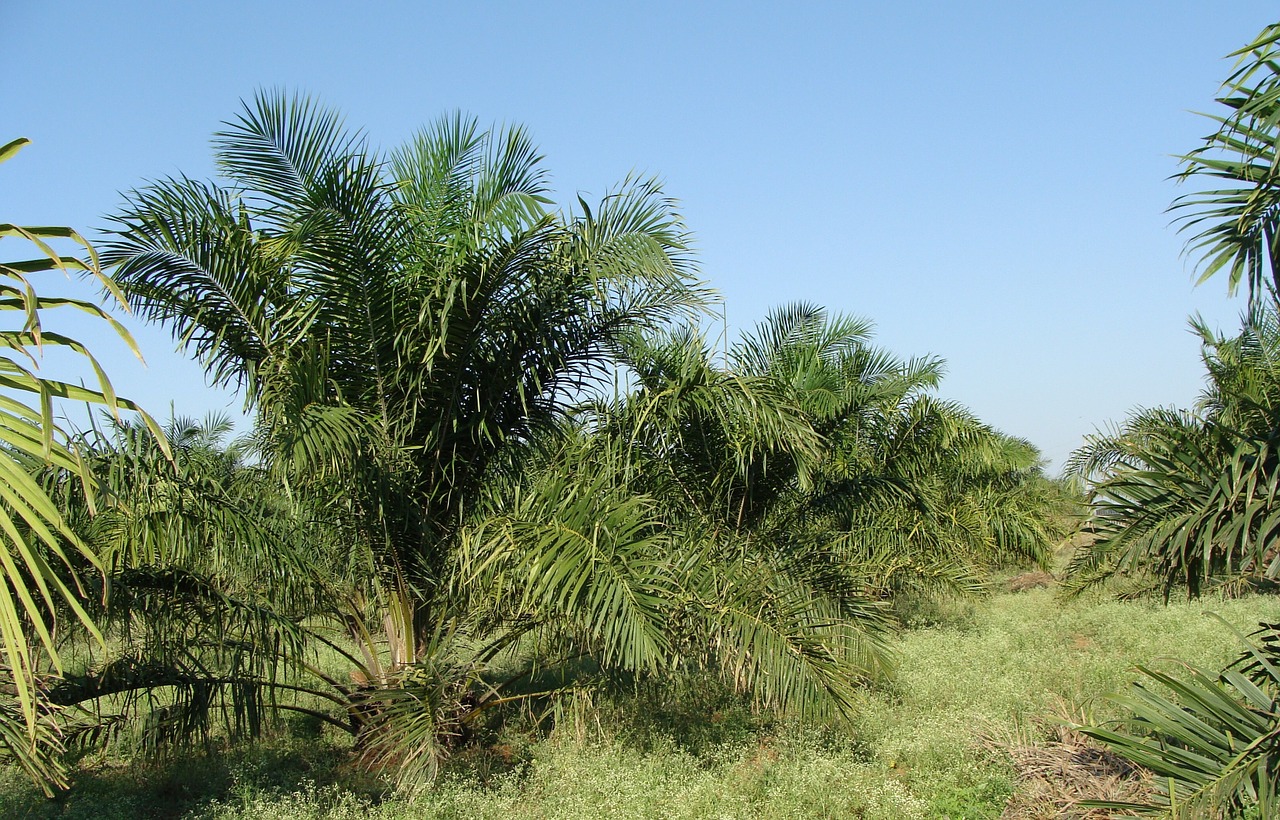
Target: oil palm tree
point(722, 449)
point(902, 472)
point(405, 331)
point(817, 472)
point(1188, 499)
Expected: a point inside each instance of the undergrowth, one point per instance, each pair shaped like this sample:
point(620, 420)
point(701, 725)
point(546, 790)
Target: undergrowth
point(972, 685)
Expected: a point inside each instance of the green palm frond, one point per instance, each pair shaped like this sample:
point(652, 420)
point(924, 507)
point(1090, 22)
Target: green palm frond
point(799, 331)
point(424, 709)
point(191, 258)
point(279, 147)
point(777, 641)
point(1234, 228)
point(1211, 740)
point(573, 550)
point(39, 756)
point(38, 549)
point(213, 658)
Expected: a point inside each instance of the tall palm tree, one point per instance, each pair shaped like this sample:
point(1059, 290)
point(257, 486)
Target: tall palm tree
point(409, 333)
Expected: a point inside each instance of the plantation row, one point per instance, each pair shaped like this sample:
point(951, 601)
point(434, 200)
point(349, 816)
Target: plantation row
point(497, 462)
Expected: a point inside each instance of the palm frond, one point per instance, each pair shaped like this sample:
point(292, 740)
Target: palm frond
point(573, 550)
point(38, 549)
point(1234, 229)
point(1210, 739)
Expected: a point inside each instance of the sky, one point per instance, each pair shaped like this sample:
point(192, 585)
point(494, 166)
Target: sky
point(987, 182)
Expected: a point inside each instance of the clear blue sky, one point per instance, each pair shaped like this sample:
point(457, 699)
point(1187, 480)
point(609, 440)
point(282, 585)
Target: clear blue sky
point(987, 182)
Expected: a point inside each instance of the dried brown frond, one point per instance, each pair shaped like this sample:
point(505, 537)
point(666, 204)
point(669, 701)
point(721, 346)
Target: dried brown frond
point(1058, 769)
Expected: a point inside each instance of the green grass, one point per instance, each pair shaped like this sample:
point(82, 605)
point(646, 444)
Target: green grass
point(1026, 658)
point(994, 671)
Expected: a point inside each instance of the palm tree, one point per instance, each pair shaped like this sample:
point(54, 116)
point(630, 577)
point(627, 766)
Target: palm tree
point(720, 449)
point(817, 474)
point(43, 564)
point(1188, 498)
point(408, 333)
point(903, 473)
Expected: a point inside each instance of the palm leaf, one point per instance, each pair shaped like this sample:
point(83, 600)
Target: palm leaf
point(36, 543)
point(1211, 740)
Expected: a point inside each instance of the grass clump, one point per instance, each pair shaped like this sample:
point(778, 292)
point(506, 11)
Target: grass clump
point(609, 779)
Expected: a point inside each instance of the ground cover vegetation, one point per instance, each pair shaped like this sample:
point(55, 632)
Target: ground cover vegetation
point(972, 727)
